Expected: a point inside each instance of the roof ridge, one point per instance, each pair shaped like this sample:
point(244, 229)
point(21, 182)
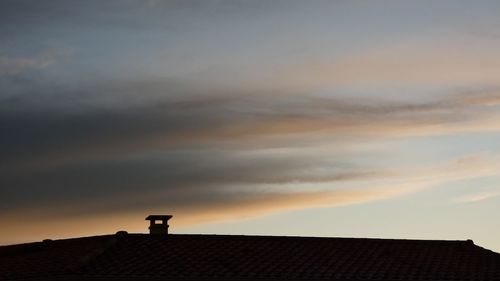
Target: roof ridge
point(318, 237)
point(114, 236)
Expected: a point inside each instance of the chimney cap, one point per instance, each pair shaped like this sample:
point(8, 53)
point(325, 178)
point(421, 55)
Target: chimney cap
point(158, 217)
point(158, 228)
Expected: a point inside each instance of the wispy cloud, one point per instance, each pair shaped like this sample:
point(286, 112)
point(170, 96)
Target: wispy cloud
point(13, 65)
point(403, 65)
point(476, 197)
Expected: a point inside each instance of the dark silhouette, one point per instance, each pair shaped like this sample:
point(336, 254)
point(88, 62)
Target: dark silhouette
point(158, 228)
point(125, 256)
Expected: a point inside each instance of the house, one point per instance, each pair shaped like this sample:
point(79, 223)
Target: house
point(163, 256)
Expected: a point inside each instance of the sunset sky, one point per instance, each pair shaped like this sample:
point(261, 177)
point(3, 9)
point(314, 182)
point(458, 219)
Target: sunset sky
point(313, 118)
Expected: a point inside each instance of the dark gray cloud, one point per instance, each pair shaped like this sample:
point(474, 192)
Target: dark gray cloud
point(183, 143)
point(129, 14)
point(57, 121)
point(55, 125)
point(178, 178)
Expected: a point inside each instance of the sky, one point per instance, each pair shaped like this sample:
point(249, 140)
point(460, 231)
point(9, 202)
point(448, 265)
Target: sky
point(311, 118)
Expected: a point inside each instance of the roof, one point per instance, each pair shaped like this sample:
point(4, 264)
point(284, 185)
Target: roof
point(233, 257)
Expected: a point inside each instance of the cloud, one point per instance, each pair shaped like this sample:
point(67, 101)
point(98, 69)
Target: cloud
point(12, 65)
point(481, 98)
point(476, 197)
point(57, 224)
point(408, 65)
point(80, 145)
point(228, 199)
point(210, 152)
point(69, 128)
point(184, 177)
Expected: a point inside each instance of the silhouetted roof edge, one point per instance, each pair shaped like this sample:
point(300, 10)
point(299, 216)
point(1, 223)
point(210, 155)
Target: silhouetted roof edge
point(107, 241)
point(235, 236)
point(48, 240)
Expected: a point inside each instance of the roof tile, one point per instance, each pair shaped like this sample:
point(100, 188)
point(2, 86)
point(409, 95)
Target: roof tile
point(226, 257)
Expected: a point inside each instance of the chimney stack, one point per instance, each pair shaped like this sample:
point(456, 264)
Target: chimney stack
point(158, 224)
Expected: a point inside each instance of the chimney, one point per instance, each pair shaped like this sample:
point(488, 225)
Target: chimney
point(158, 224)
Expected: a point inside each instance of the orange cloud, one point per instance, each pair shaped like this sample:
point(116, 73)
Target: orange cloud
point(36, 227)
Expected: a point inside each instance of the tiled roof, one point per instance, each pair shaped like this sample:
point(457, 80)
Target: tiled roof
point(228, 257)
